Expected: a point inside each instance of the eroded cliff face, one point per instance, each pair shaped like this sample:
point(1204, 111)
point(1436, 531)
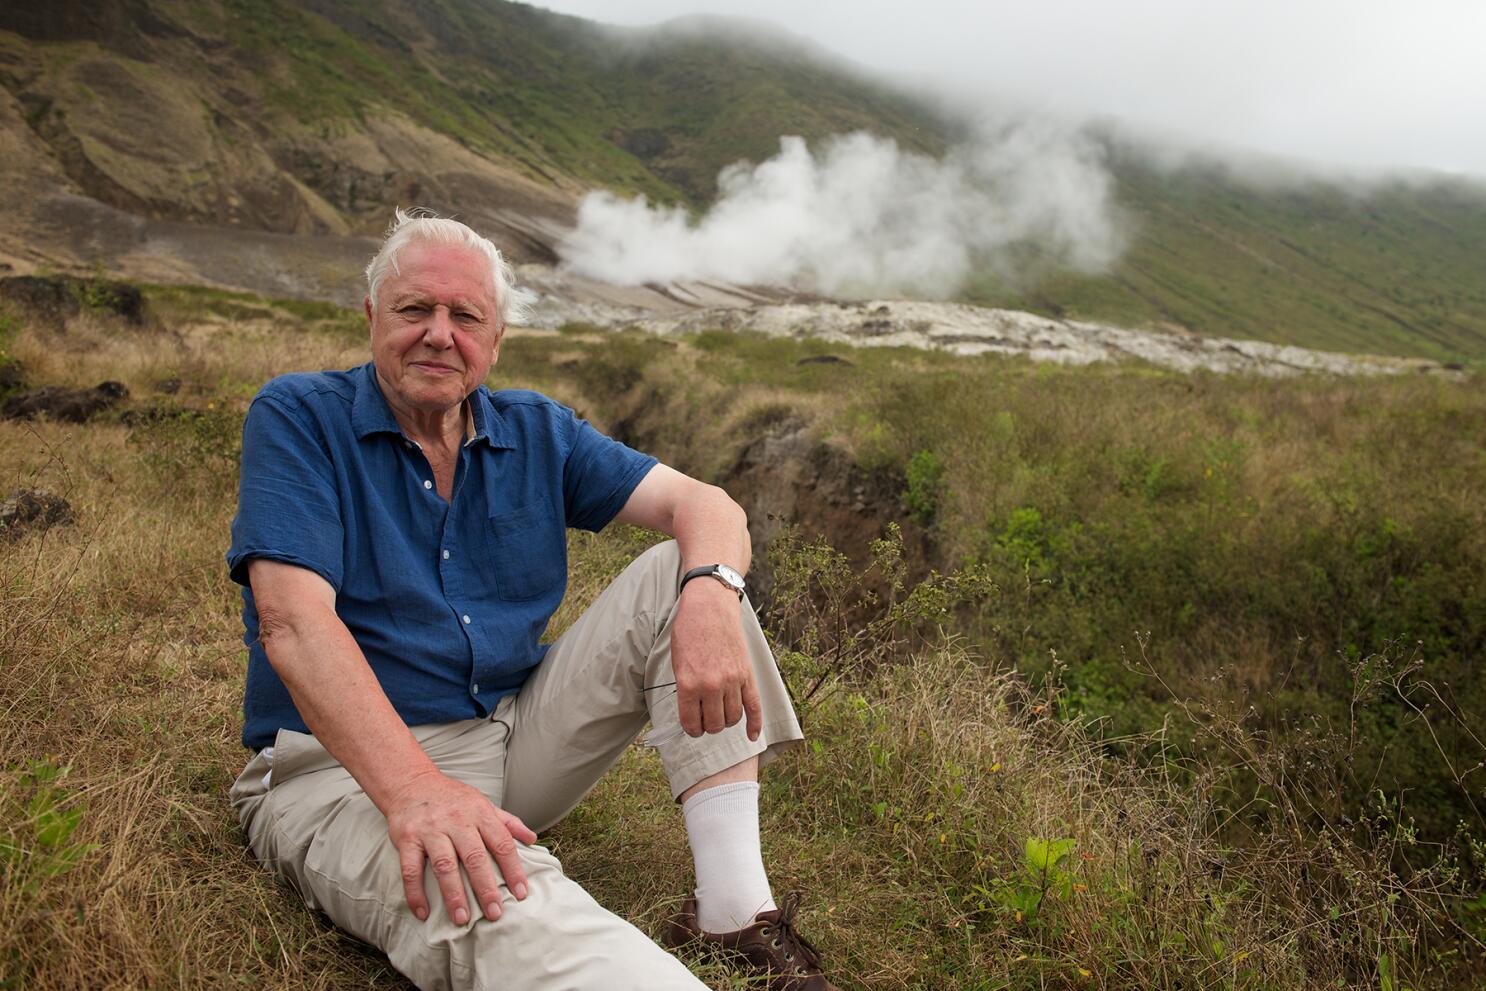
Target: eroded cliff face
point(118, 121)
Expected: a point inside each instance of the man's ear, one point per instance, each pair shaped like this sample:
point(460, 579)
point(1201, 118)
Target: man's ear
point(366, 304)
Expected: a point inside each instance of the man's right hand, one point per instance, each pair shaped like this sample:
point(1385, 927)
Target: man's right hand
point(450, 825)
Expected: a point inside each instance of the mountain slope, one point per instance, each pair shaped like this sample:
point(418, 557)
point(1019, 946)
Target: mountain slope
point(119, 120)
point(1394, 268)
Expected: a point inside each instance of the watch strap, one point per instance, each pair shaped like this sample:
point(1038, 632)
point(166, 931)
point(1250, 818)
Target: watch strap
point(708, 571)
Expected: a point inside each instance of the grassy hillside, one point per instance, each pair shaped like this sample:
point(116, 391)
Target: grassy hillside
point(1123, 544)
point(1391, 269)
point(319, 117)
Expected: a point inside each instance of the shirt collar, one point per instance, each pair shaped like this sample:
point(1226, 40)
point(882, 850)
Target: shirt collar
point(370, 413)
point(484, 422)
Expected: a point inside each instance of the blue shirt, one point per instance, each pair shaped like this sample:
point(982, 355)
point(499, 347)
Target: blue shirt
point(448, 601)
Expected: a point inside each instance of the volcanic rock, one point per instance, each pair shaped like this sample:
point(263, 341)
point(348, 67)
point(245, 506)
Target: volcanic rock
point(60, 297)
point(32, 509)
point(69, 405)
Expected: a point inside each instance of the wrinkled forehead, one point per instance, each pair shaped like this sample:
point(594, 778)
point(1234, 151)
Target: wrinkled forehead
point(447, 272)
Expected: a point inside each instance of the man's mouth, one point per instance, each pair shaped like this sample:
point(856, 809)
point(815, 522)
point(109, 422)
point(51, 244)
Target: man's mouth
point(435, 368)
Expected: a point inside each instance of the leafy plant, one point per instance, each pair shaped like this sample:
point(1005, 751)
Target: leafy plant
point(1039, 873)
point(178, 443)
point(832, 620)
point(925, 477)
point(39, 846)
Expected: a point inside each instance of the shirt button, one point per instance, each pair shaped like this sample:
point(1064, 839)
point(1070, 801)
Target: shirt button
point(446, 555)
point(475, 689)
point(466, 618)
point(427, 484)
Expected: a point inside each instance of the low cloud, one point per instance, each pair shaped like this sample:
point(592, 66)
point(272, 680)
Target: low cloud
point(858, 216)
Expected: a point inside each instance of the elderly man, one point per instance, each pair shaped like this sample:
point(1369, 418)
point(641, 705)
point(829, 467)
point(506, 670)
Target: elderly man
point(401, 539)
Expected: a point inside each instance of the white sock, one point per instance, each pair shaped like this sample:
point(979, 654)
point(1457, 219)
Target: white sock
point(722, 828)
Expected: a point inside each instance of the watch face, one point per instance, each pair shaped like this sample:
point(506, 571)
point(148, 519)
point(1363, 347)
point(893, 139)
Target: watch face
point(730, 576)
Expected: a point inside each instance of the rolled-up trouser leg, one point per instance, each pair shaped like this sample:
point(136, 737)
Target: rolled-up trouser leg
point(312, 824)
point(610, 674)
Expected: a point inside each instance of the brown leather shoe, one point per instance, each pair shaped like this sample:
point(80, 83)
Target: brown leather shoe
point(771, 946)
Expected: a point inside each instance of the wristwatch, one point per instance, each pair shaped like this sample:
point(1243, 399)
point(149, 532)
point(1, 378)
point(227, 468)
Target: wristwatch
point(728, 576)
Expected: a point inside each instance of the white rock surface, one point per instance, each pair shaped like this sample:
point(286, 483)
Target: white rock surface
point(955, 327)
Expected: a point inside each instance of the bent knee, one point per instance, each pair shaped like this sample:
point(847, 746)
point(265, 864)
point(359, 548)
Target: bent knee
point(662, 559)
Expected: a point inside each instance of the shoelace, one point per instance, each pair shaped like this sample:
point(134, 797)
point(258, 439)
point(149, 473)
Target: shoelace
point(790, 938)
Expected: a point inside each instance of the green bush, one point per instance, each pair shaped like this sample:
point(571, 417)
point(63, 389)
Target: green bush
point(191, 446)
point(925, 478)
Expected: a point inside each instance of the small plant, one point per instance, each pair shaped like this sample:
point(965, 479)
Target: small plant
point(833, 621)
point(1040, 873)
point(925, 477)
point(185, 442)
point(39, 846)
point(99, 293)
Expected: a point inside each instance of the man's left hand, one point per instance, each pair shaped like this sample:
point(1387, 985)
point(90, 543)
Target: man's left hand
point(714, 675)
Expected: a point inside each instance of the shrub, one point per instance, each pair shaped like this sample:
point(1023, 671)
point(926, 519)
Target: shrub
point(925, 477)
point(191, 446)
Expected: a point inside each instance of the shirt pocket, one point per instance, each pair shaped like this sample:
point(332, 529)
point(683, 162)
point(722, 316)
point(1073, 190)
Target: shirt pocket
point(526, 551)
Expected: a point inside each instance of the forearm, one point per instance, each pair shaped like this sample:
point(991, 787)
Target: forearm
point(342, 702)
point(710, 528)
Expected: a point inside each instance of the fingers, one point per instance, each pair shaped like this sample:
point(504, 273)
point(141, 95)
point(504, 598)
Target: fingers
point(690, 711)
point(517, 828)
point(459, 833)
point(445, 863)
point(476, 860)
point(754, 708)
point(732, 706)
point(410, 861)
point(501, 844)
point(712, 712)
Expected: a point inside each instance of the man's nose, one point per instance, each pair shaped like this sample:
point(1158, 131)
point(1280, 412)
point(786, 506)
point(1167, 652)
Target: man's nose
point(439, 331)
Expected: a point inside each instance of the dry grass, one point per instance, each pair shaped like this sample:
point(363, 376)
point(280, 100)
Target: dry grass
point(906, 818)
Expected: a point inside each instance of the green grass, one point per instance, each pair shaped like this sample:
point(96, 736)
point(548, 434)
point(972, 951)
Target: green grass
point(936, 772)
point(1237, 540)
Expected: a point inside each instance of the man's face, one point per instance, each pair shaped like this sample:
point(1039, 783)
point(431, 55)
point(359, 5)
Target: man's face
point(435, 330)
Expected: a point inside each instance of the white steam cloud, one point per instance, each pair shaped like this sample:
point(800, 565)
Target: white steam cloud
point(862, 217)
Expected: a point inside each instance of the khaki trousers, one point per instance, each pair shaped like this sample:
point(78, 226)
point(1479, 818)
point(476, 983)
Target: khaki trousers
point(536, 756)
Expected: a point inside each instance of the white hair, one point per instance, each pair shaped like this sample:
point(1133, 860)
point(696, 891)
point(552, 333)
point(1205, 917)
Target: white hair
point(420, 226)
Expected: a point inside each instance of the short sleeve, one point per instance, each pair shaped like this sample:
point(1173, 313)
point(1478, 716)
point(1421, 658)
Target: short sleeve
point(598, 475)
point(288, 508)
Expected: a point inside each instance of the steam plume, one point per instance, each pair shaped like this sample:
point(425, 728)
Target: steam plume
point(863, 217)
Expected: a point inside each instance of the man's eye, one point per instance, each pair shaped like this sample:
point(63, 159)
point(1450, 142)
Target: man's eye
point(412, 309)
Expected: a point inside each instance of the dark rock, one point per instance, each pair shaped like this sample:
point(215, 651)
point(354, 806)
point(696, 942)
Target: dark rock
point(61, 297)
point(40, 294)
point(168, 386)
point(823, 359)
point(12, 376)
point(32, 509)
point(69, 405)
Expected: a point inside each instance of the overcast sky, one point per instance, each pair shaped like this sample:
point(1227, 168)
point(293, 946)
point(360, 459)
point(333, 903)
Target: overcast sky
point(1358, 83)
